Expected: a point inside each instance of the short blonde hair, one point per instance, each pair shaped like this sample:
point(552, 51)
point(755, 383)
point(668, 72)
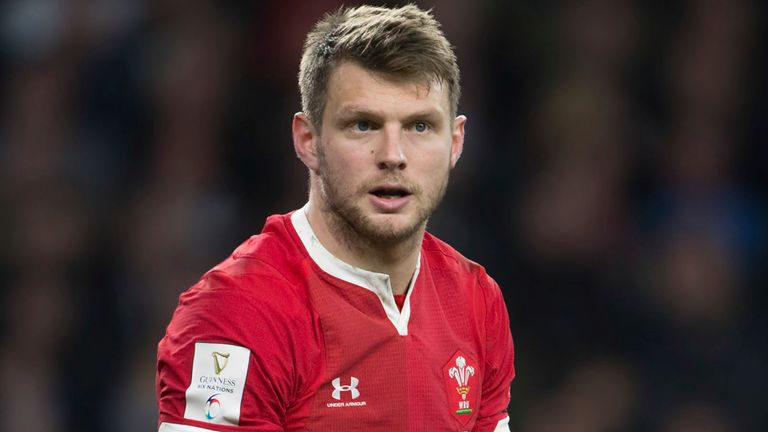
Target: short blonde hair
point(400, 43)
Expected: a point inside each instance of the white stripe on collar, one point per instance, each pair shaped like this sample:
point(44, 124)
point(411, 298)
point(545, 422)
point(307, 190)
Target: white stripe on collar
point(378, 283)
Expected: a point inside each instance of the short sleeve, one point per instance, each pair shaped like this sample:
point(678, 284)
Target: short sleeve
point(500, 370)
point(237, 356)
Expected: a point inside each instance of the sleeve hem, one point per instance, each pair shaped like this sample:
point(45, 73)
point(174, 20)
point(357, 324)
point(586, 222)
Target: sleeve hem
point(174, 427)
point(502, 425)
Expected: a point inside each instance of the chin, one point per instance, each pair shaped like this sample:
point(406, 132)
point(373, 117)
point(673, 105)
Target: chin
point(389, 228)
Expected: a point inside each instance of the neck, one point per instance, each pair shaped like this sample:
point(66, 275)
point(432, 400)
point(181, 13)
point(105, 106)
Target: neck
point(398, 259)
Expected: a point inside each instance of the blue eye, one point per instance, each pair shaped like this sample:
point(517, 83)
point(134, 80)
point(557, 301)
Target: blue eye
point(362, 126)
point(421, 127)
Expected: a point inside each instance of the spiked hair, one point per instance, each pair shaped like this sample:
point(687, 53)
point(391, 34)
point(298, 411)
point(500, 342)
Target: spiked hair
point(405, 43)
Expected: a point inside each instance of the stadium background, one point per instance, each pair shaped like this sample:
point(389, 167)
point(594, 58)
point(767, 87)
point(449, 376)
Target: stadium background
point(612, 182)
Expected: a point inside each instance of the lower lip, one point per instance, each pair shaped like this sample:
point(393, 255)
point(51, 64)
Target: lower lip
point(389, 205)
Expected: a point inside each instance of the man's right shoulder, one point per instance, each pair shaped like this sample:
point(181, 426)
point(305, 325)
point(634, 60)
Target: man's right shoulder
point(252, 312)
point(266, 272)
point(275, 252)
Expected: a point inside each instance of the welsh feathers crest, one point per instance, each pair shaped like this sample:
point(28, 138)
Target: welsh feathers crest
point(463, 382)
point(461, 372)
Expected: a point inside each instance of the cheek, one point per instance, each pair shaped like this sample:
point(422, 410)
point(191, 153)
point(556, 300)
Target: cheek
point(344, 171)
point(344, 157)
point(437, 163)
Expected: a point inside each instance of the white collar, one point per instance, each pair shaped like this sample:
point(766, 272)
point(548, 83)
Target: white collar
point(378, 283)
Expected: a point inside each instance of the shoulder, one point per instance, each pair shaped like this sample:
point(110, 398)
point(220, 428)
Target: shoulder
point(464, 281)
point(274, 253)
point(253, 311)
point(261, 280)
point(455, 275)
point(445, 260)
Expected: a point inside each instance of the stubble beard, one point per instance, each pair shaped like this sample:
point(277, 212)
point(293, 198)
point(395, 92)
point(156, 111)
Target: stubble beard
point(350, 224)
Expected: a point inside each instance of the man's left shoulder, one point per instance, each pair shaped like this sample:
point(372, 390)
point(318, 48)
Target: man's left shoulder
point(443, 259)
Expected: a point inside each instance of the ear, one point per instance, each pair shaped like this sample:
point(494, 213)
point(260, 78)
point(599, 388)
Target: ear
point(304, 141)
point(457, 139)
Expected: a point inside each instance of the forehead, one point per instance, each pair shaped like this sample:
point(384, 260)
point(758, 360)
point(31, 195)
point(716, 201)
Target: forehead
point(351, 85)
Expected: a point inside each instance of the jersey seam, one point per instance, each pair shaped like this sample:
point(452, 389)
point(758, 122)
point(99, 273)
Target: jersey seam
point(278, 276)
point(251, 273)
point(485, 288)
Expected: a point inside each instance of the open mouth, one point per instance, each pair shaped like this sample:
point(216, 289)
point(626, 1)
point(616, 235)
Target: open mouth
point(390, 192)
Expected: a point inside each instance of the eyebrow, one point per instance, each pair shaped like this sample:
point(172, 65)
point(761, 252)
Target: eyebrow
point(358, 111)
point(352, 111)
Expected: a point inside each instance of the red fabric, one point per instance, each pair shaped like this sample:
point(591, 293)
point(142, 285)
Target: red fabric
point(399, 301)
point(310, 334)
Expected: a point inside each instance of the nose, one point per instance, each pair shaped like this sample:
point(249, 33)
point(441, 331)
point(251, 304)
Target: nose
point(390, 154)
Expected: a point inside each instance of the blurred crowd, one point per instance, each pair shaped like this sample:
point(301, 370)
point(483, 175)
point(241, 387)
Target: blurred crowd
point(612, 182)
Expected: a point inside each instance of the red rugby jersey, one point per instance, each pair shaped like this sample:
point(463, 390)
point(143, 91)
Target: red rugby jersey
point(284, 336)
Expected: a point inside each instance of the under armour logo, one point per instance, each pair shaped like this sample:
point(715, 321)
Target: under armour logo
point(352, 387)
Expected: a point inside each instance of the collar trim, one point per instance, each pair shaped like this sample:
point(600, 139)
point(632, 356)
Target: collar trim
point(378, 283)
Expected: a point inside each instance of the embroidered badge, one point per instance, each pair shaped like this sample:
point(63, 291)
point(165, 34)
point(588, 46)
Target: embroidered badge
point(215, 392)
point(462, 384)
point(345, 395)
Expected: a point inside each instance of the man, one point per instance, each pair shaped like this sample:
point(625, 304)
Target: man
point(346, 315)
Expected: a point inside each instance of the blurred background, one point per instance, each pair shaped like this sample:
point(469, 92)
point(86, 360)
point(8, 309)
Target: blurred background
point(613, 182)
